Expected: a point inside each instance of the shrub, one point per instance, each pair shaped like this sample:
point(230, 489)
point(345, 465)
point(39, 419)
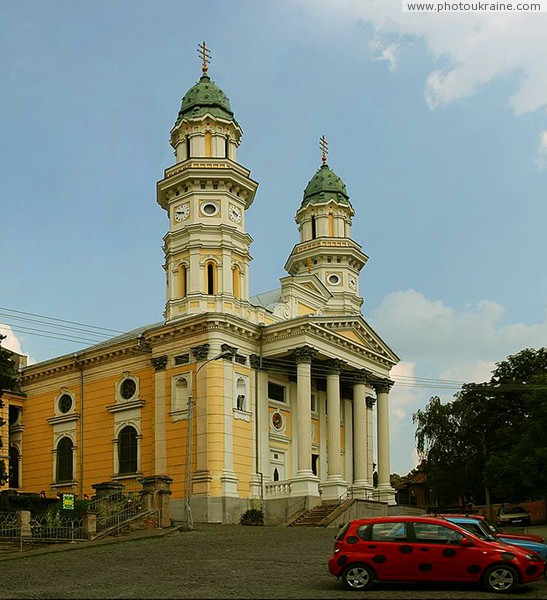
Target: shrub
point(253, 516)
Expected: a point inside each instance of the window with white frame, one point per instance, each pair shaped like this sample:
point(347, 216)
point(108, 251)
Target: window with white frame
point(64, 460)
point(276, 392)
point(127, 450)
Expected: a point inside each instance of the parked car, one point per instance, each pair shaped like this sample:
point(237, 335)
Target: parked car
point(477, 525)
point(427, 549)
point(515, 515)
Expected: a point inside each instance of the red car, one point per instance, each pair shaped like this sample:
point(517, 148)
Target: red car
point(426, 549)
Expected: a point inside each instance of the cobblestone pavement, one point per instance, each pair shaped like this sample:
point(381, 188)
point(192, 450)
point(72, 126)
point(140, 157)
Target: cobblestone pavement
point(214, 561)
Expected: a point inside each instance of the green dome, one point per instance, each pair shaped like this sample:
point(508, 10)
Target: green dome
point(323, 186)
point(205, 97)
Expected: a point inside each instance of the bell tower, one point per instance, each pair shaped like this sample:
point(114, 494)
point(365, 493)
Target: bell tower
point(206, 194)
point(326, 248)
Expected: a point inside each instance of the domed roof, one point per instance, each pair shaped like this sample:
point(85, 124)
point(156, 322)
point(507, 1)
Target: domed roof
point(205, 97)
point(323, 186)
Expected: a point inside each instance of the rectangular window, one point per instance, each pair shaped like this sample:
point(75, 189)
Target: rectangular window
point(389, 532)
point(182, 359)
point(241, 359)
point(313, 403)
point(276, 392)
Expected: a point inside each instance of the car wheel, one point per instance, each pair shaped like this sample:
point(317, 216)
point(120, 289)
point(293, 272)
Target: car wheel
point(500, 579)
point(357, 577)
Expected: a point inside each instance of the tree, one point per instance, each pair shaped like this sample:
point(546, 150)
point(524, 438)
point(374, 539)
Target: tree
point(8, 382)
point(491, 436)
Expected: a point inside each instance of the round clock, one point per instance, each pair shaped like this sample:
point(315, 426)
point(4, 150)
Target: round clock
point(353, 283)
point(182, 212)
point(235, 214)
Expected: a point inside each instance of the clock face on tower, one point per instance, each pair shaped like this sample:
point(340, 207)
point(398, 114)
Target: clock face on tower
point(235, 213)
point(182, 212)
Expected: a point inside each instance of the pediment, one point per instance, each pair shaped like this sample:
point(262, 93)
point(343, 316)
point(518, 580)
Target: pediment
point(358, 331)
point(305, 285)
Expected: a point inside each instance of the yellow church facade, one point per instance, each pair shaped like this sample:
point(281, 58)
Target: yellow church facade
point(277, 398)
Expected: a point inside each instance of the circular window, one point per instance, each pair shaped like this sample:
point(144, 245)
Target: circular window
point(65, 403)
point(277, 420)
point(209, 209)
point(128, 388)
point(333, 279)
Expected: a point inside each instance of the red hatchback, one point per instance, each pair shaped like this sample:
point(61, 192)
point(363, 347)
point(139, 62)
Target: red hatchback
point(426, 549)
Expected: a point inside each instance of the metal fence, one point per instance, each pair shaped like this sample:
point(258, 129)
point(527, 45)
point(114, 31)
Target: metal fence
point(48, 528)
point(9, 525)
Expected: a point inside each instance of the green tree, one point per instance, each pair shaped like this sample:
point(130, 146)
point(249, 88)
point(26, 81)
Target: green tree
point(491, 435)
point(8, 382)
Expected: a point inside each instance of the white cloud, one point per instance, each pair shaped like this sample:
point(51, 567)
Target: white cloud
point(12, 342)
point(385, 52)
point(473, 49)
point(442, 339)
point(404, 394)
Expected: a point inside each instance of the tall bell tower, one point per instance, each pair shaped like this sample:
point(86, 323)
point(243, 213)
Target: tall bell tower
point(326, 248)
point(206, 194)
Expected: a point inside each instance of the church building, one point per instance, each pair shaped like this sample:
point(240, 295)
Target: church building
point(276, 398)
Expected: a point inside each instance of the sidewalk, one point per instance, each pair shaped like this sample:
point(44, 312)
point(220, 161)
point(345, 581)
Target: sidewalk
point(35, 549)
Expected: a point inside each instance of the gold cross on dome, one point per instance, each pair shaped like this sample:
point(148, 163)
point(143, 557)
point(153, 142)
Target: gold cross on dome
point(205, 55)
point(324, 148)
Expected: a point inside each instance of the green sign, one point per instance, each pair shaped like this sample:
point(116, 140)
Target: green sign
point(68, 501)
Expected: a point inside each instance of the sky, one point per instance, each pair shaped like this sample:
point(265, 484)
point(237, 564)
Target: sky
point(436, 123)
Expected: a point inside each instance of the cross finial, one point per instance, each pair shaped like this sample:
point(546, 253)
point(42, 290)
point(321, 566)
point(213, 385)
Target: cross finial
point(324, 148)
point(205, 55)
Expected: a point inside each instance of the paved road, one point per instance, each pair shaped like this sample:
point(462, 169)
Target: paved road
point(214, 561)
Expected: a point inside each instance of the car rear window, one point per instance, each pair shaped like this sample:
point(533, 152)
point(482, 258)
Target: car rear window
point(342, 532)
point(389, 532)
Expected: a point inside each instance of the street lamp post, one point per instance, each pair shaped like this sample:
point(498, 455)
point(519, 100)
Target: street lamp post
point(189, 442)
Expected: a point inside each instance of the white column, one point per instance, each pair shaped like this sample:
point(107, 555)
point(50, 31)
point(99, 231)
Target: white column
point(387, 493)
point(370, 440)
point(335, 487)
point(261, 428)
point(305, 483)
point(360, 441)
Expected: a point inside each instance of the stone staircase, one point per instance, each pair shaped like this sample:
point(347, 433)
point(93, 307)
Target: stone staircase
point(313, 517)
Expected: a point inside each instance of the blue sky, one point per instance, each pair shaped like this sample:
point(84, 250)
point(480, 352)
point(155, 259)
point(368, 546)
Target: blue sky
point(436, 123)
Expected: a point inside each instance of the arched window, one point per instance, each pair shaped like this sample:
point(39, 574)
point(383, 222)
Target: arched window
point(13, 467)
point(187, 146)
point(181, 394)
point(227, 146)
point(65, 460)
point(331, 225)
point(127, 450)
point(313, 228)
point(183, 277)
point(236, 281)
point(241, 394)
point(211, 276)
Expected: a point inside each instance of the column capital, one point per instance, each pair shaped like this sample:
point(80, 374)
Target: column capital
point(370, 402)
point(255, 361)
point(226, 348)
point(363, 376)
point(200, 352)
point(304, 354)
point(335, 366)
point(383, 385)
point(159, 362)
